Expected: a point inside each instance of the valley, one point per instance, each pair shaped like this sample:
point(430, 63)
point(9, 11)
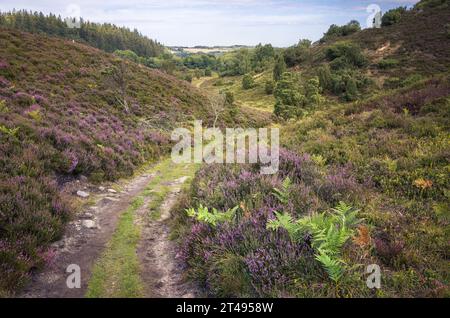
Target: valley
point(87, 177)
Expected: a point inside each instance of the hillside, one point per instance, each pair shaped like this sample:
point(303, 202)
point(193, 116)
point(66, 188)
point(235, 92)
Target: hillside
point(365, 122)
point(70, 111)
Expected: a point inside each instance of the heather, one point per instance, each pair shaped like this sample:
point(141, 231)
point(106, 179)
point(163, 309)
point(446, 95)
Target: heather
point(60, 119)
point(371, 143)
point(241, 255)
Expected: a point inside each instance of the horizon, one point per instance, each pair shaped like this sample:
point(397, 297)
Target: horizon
point(217, 22)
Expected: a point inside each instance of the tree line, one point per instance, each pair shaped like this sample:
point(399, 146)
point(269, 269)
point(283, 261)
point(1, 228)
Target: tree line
point(106, 36)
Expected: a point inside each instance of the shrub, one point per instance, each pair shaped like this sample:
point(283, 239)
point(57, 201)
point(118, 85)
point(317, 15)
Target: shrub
point(312, 92)
point(392, 16)
point(298, 54)
point(279, 68)
point(345, 55)
point(208, 72)
point(337, 31)
point(248, 82)
point(289, 100)
point(388, 63)
point(269, 88)
point(325, 77)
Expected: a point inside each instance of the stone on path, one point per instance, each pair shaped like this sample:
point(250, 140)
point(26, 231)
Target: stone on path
point(89, 224)
point(82, 194)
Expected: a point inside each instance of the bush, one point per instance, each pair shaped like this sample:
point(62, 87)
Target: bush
point(388, 63)
point(248, 82)
point(337, 31)
point(279, 68)
point(289, 99)
point(393, 16)
point(345, 55)
point(298, 54)
point(269, 88)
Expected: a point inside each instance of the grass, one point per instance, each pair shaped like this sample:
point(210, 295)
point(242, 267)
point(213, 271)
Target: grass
point(254, 98)
point(117, 272)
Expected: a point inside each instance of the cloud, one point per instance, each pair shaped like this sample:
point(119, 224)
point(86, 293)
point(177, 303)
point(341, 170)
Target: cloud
point(191, 22)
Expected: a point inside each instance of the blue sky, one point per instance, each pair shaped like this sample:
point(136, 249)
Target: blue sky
point(217, 22)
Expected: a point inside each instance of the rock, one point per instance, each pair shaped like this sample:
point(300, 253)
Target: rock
point(87, 215)
point(82, 194)
point(101, 188)
point(112, 191)
point(89, 224)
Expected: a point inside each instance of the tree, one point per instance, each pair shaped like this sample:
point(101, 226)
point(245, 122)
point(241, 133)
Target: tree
point(248, 82)
point(218, 106)
point(269, 87)
point(279, 68)
point(289, 99)
point(229, 98)
point(298, 54)
point(351, 89)
point(325, 77)
point(117, 77)
point(312, 92)
point(338, 31)
point(393, 16)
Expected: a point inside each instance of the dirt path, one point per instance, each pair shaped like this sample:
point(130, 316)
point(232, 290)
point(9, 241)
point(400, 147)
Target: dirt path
point(161, 273)
point(83, 243)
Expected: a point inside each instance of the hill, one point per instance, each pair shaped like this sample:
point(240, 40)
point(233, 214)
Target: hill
point(365, 125)
point(70, 111)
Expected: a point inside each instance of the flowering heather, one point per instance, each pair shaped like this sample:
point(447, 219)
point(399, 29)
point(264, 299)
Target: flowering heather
point(4, 82)
point(270, 259)
point(32, 108)
point(84, 131)
point(340, 185)
point(72, 160)
point(23, 99)
point(3, 64)
point(41, 100)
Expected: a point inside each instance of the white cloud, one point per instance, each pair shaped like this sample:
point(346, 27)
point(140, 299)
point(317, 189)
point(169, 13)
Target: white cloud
point(191, 22)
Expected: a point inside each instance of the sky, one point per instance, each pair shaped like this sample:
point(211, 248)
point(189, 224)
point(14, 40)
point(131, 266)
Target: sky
point(216, 22)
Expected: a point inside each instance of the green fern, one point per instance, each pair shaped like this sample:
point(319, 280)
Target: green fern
point(333, 266)
point(9, 131)
point(285, 221)
point(329, 231)
point(215, 217)
point(283, 194)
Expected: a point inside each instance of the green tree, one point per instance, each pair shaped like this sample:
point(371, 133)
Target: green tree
point(248, 82)
point(312, 92)
point(392, 16)
point(279, 68)
point(298, 54)
point(289, 99)
point(325, 77)
point(351, 89)
point(269, 87)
